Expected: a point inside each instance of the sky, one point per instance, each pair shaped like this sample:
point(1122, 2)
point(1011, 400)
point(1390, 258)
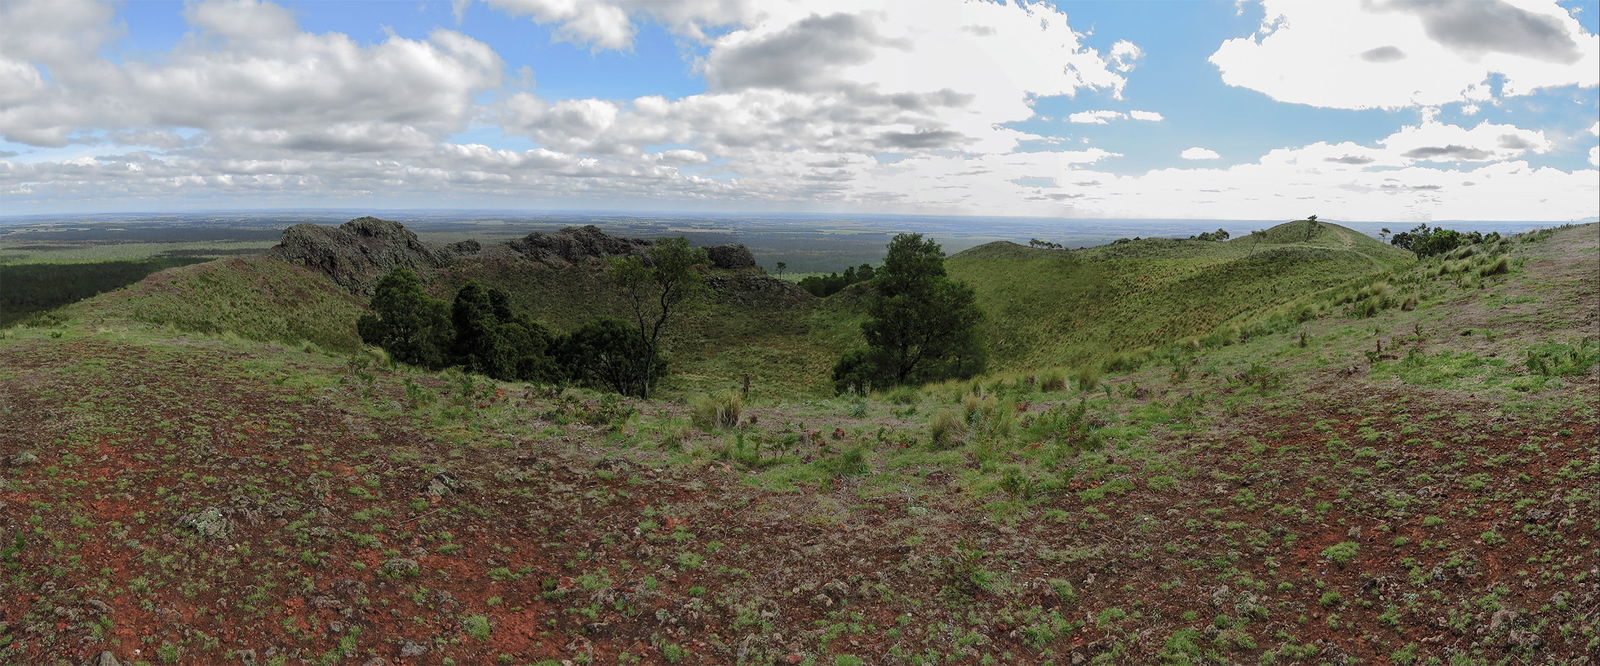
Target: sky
point(1377, 110)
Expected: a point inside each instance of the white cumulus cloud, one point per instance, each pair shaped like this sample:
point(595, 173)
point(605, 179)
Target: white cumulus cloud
point(1402, 53)
point(1198, 153)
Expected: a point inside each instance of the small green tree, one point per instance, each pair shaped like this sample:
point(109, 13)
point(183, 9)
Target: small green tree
point(922, 325)
point(655, 287)
point(406, 322)
point(782, 267)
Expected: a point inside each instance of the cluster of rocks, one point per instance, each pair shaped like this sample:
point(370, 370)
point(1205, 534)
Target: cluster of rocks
point(358, 253)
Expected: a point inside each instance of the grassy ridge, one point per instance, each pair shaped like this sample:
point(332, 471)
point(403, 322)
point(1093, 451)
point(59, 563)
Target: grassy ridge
point(1055, 307)
point(254, 298)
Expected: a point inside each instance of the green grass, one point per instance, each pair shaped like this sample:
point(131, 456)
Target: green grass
point(255, 299)
point(1055, 308)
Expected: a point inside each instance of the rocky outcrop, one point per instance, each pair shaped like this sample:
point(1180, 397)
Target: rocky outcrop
point(750, 289)
point(576, 245)
point(360, 252)
point(465, 248)
point(357, 253)
point(731, 257)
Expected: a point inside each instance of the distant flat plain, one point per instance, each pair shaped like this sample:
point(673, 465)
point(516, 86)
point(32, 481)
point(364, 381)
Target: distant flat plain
point(806, 243)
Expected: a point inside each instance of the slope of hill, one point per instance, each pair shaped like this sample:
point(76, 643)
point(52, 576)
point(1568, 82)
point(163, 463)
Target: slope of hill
point(1070, 307)
point(1384, 485)
point(254, 298)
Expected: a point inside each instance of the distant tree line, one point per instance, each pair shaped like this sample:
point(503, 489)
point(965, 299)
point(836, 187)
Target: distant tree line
point(1431, 241)
point(481, 333)
point(921, 326)
point(823, 286)
point(1218, 235)
point(1045, 245)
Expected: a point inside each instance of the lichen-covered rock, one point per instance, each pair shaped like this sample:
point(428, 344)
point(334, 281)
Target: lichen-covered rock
point(357, 253)
point(576, 245)
point(731, 257)
point(209, 523)
point(399, 567)
point(465, 248)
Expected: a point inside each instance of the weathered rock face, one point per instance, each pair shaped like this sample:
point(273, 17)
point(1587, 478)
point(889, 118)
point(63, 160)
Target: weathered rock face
point(576, 245)
point(748, 289)
point(465, 248)
point(360, 252)
point(357, 253)
point(731, 257)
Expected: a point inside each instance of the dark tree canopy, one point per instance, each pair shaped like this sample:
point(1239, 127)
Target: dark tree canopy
point(922, 325)
point(1428, 242)
point(608, 354)
point(408, 323)
point(492, 340)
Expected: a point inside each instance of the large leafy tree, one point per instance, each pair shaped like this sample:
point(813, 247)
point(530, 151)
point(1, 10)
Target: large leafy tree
point(922, 325)
point(408, 323)
point(656, 287)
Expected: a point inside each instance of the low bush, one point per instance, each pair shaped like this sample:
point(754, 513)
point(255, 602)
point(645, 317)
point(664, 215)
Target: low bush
point(716, 411)
point(946, 430)
point(1555, 359)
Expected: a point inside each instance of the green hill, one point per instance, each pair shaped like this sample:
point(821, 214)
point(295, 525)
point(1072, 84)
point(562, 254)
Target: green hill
point(1410, 485)
point(1067, 307)
point(254, 298)
point(1044, 307)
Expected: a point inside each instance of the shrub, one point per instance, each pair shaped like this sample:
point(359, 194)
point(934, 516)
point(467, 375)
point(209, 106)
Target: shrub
point(1065, 426)
point(1341, 553)
point(1053, 380)
point(606, 354)
point(1087, 377)
point(716, 411)
point(1554, 359)
point(852, 462)
point(946, 430)
point(1499, 266)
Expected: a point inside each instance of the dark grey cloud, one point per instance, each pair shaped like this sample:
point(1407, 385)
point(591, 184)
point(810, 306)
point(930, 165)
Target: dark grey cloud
point(1383, 54)
point(796, 57)
point(1351, 159)
point(1482, 26)
point(922, 139)
point(1515, 142)
point(1450, 152)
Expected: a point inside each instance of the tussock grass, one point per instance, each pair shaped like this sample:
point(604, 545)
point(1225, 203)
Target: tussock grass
point(716, 411)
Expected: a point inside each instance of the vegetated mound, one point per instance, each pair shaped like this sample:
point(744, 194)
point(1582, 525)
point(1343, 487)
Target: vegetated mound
point(255, 298)
point(1070, 307)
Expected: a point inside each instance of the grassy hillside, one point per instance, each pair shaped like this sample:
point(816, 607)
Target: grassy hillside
point(254, 298)
point(1044, 307)
point(1067, 307)
point(1372, 484)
